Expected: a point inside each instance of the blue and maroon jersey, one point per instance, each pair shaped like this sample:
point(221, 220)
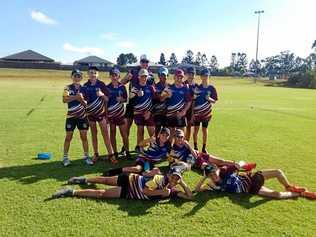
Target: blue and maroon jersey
point(75, 108)
point(155, 152)
point(134, 80)
point(159, 107)
point(182, 153)
point(143, 103)
point(116, 109)
point(202, 107)
point(191, 87)
point(96, 105)
point(180, 96)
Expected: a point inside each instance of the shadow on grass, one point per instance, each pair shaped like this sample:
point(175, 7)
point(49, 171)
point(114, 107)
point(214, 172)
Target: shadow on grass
point(242, 200)
point(28, 174)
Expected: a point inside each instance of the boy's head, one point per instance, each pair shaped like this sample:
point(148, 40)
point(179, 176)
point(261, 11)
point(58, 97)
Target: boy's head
point(205, 73)
point(179, 137)
point(174, 176)
point(211, 172)
point(144, 62)
point(114, 74)
point(164, 134)
point(190, 73)
point(179, 75)
point(93, 72)
point(76, 75)
point(163, 74)
point(142, 76)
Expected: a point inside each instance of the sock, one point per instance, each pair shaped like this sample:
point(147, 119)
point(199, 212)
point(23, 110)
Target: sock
point(113, 172)
point(65, 155)
point(195, 146)
point(86, 154)
point(204, 147)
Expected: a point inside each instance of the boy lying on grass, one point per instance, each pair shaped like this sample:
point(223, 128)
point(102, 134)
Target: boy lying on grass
point(227, 179)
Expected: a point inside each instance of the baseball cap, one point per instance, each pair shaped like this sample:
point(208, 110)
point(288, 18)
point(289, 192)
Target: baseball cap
point(179, 133)
point(76, 72)
point(210, 168)
point(143, 72)
point(175, 171)
point(114, 70)
point(93, 68)
point(143, 58)
point(179, 72)
point(165, 130)
point(163, 71)
point(191, 70)
point(205, 72)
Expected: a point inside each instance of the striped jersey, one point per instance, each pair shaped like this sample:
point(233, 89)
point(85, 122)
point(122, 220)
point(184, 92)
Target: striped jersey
point(143, 103)
point(75, 108)
point(159, 107)
point(116, 108)
point(180, 96)
point(155, 152)
point(202, 107)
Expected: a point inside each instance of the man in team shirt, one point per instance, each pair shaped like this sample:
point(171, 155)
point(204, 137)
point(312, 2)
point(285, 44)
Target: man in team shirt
point(143, 95)
point(190, 75)
point(131, 186)
point(205, 96)
point(178, 101)
point(96, 95)
point(76, 117)
point(159, 107)
point(132, 78)
point(116, 110)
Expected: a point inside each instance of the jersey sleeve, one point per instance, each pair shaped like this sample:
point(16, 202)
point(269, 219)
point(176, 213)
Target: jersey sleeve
point(188, 95)
point(66, 91)
point(104, 89)
point(124, 93)
point(155, 182)
point(214, 93)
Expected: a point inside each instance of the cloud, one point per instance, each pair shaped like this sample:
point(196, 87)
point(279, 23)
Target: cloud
point(83, 50)
point(125, 44)
point(42, 18)
point(109, 36)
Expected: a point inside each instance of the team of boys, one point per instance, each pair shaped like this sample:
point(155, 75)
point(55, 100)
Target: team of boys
point(166, 110)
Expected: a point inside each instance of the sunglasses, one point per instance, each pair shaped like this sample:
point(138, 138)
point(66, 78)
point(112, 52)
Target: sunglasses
point(144, 61)
point(180, 137)
point(77, 76)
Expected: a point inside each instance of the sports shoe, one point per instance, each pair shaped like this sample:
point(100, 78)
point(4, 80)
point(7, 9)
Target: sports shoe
point(88, 161)
point(128, 156)
point(77, 180)
point(112, 159)
point(123, 150)
point(66, 162)
point(295, 189)
point(95, 158)
point(138, 149)
point(309, 195)
point(65, 192)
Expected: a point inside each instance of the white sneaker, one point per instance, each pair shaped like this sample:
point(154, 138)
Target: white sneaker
point(66, 162)
point(88, 161)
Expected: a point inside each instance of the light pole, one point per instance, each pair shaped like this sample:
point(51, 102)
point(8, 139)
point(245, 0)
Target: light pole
point(258, 13)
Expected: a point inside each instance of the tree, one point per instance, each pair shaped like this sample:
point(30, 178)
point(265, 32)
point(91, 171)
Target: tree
point(162, 59)
point(239, 62)
point(189, 57)
point(124, 59)
point(198, 59)
point(121, 60)
point(314, 45)
point(173, 59)
point(131, 58)
point(213, 64)
point(204, 60)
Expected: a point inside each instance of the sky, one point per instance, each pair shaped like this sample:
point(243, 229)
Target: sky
point(70, 30)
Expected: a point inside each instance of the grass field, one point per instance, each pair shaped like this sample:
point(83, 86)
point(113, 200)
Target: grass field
point(273, 126)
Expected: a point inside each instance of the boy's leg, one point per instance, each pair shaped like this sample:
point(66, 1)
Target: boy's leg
point(84, 140)
point(151, 130)
point(204, 132)
point(140, 134)
point(113, 137)
point(195, 137)
point(92, 193)
point(112, 181)
point(106, 137)
point(133, 169)
point(188, 132)
point(266, 192)
point(67, 141)
point(123, 132)
point(94, 137)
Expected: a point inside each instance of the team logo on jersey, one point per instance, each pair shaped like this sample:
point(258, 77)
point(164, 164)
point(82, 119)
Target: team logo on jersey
point(84, 125)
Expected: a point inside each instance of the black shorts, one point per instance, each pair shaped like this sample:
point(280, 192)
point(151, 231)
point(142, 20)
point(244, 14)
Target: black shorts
point(129, 112)
point(204, 123)
point(72, 123)
point(160, 120)
point(257, 181)
point(123, 182)
point(140, 161)
point(175, 122)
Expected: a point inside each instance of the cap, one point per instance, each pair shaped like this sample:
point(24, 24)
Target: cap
point(205, 72)
point(114, 70)
point(143, 72)
point(165, 130)
point(76, 72)
point(179, 72)
point(191, 70)
point(143, 58)
point(179, 133)
point(175, 171)
point(93, 68)
point(163, 71)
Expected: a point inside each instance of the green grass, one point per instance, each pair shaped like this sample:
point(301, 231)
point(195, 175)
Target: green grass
point(273, 126)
